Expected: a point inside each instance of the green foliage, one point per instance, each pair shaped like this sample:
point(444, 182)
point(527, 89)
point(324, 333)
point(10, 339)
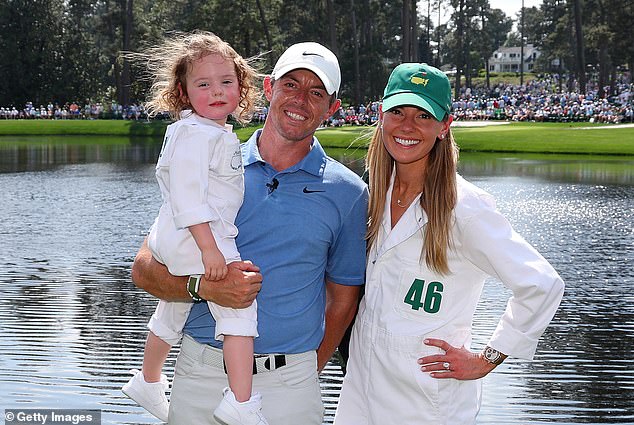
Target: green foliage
point(30, 33)
point(69, 50)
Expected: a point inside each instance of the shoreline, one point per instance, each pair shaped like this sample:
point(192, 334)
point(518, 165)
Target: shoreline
point(471, 136)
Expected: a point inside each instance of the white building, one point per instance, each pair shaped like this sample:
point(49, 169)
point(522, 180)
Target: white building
point(508, 59)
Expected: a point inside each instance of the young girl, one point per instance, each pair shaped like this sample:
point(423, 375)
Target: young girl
point(200, 80)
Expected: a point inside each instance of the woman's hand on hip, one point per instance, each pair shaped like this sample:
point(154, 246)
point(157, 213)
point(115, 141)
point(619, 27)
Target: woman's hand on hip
point(457, 363)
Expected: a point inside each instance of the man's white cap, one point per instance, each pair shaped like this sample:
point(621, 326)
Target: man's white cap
point(313, 57)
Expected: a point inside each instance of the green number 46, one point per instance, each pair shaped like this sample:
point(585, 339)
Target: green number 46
point(428, 299)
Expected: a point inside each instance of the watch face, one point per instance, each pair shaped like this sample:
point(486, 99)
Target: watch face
point(492, 355)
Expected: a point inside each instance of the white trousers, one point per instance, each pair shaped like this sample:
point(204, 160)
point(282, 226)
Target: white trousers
point(169, 318)
point(384, 384)
point(290, 394)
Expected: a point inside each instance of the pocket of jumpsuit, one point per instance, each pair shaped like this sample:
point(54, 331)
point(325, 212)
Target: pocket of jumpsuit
point(226, 166)
point(229, 162)
point(418, 302)
point(424, 299)
point(420, 296)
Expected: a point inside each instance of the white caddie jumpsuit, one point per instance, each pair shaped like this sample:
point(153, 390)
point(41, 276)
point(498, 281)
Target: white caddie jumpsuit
point(201, 178)
point(405, 302)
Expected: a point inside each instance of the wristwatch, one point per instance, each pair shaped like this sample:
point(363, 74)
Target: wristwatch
point(492, 356)
point(193, 284)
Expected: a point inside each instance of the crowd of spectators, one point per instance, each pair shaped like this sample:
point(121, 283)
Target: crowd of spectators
point(74, 110)
point(538, 100)
point(361, 115)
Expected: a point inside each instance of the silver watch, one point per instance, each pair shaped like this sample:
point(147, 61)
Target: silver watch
point(492, 356)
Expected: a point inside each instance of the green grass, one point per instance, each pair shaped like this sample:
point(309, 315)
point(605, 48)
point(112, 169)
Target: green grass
point(565, 138)
point(82, 127)
point(579, 138)
point(496, 78)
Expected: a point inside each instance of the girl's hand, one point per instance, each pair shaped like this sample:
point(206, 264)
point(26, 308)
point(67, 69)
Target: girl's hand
point(215, 266)
point(237, 290)
point(457, 363)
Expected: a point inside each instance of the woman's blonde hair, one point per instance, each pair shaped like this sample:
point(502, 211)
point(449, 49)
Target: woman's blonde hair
point(438, 199)
point(171, 60)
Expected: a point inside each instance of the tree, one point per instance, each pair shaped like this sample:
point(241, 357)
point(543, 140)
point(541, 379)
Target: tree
point(265, 25)
point(494, 27)
point(580, 54)
point(355, 54)
point(607, 43)
point(332, 24)
point(29, 51)
point(409, 31)
point(459, 18)
point(440, 31)
point(425, 52)
point(69, 50)
point(621, 24)
point(128, 28)
point(554, 38)
point(534, 26)
point(470, 41)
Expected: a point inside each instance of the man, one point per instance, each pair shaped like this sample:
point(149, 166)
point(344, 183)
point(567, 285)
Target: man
point(302, 224)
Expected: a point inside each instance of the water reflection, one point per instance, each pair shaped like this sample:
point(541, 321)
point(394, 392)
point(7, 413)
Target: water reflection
point(29, 153)
point(583, 371)
point(563, 168)
point(72, 324)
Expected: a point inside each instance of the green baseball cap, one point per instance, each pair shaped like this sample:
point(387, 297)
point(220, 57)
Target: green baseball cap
point(421, 85)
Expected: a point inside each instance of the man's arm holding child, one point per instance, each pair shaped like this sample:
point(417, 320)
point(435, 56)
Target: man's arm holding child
point(237, 290)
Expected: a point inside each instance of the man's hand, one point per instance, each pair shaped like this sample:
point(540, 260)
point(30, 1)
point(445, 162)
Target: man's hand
point(237, 290)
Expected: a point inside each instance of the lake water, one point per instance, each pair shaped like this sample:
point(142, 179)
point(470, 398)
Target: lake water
point(72, 324)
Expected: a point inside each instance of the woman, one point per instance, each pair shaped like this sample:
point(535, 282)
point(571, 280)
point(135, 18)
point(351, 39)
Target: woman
point(433, 238)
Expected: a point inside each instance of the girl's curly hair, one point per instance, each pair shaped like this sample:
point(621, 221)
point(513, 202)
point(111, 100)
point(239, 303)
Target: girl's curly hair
point(171, 60)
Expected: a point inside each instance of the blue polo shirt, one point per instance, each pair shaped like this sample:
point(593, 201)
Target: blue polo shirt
point(301, 226)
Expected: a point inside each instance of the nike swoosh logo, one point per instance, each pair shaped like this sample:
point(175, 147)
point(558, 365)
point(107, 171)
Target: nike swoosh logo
point(307, 190)
point(311, 54)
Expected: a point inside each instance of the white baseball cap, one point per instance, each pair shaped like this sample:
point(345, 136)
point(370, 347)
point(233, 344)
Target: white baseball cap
point(313, 57)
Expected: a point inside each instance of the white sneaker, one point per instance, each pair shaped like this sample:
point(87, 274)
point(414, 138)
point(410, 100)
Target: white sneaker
point(149, 395)
point(232, 412)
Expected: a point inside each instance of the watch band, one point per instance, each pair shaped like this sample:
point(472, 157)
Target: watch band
point(193, 284)
point(492, 355)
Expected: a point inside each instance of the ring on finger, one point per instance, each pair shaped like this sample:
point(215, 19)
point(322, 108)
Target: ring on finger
point(446, 365)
